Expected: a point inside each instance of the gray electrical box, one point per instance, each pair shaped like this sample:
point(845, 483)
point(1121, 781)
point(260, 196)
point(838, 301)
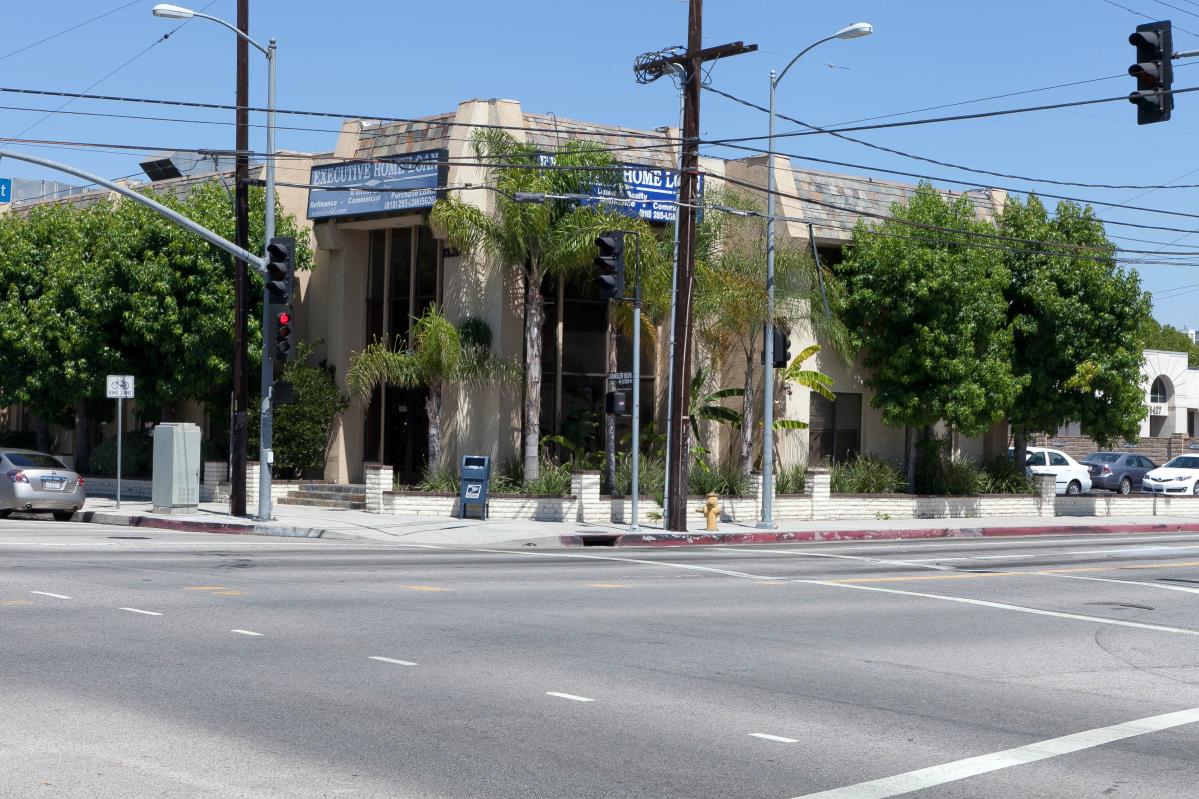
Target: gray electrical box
point(176, 485)
point(474, 476)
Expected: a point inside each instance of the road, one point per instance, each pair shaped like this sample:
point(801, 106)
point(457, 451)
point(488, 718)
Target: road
point(153, 664)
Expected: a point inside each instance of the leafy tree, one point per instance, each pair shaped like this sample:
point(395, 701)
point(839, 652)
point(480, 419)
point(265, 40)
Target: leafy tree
point(1078, 320)
point(441, 356)
point(539, 239)
point(926, 307)
point(1157, 336)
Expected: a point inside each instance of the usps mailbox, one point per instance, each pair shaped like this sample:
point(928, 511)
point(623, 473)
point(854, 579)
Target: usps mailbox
point(474, 477)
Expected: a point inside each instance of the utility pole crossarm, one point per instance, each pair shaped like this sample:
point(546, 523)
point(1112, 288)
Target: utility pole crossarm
point(707, 54)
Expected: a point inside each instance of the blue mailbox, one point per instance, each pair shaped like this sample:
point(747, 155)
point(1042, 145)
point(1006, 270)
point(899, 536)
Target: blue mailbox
point(474, 476)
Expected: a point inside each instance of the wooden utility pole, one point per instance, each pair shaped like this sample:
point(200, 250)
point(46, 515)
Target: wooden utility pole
point(241, 213)
point(678, 422)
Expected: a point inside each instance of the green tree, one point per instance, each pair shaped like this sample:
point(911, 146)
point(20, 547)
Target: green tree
point(925, 305)
point(539, 239)
point(1156, 336)
point(303, 426)
point(441, 356)
point(1078, 320)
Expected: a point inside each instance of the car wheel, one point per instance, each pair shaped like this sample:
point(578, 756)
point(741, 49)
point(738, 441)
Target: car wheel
point(1074, 489)
point(5, 513)
point(63, 515)
point(1125, 486)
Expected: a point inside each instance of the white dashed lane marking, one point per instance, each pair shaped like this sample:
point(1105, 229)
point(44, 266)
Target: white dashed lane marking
point(777, 738)
point(571, 697)
point(382, 659)
point(245, 632)
point(143, 612)
point(47, 593)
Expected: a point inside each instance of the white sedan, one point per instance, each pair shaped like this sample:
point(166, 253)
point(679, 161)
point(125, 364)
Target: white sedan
point(1070, 476)
point(1178, 476)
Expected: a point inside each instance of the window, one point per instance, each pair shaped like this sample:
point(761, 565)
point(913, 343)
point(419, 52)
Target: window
point(834, 431)
point(1058, 459)
point(33, 460)
point(1036, 459)
point(1159, 394)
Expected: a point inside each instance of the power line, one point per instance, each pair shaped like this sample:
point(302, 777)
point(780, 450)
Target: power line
point(65, 31)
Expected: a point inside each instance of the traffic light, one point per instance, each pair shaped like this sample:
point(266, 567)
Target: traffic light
point(1154, 71)
point(609, 276)
point(283, 334)
point(781, 348)
point(280, 267)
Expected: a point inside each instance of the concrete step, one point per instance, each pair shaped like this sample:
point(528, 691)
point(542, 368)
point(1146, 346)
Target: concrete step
point(334, 495)
point(332, 504)
point(337, 488)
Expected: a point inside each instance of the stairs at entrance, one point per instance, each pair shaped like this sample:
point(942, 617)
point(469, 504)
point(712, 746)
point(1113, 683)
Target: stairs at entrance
point(327, 495)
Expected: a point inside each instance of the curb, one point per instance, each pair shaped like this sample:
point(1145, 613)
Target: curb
point(190, 526)
point(785, 537)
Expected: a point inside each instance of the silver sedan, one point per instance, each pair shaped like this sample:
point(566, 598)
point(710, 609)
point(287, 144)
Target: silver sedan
point(35, 481)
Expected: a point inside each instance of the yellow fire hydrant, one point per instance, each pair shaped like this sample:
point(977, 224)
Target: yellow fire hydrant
point(711, 512)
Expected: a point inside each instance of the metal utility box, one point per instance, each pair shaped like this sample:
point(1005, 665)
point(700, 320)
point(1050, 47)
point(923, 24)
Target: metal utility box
point(475, 475)
point(176, 484)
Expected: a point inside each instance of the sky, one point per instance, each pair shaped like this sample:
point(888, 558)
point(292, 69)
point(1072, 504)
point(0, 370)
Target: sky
point(574, 58)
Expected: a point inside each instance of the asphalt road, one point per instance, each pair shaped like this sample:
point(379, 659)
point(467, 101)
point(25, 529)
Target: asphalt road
point(141, 663)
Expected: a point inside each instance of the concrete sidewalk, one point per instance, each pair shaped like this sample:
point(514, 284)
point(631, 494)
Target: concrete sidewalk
point(297, 521)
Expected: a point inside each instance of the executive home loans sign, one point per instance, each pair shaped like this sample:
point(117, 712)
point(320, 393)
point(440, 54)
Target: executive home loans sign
point(647, 192)
point(350, 188)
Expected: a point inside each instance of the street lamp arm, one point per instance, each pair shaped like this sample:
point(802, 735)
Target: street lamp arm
point(266, 52)
point(801, 54)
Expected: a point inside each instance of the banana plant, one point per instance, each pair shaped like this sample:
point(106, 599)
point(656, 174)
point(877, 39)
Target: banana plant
point(819, 382)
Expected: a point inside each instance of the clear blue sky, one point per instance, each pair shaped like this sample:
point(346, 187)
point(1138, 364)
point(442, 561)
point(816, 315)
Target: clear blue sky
point(574, 58)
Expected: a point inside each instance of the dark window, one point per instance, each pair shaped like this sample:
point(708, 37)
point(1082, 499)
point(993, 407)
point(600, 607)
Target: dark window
point(1036, 459)
point(834, 427)
point(33, 460)
point(1103, 457)
point(1158, 394)
point(1057, 459)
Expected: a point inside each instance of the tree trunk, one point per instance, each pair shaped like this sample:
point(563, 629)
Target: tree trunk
point(909, 457)
point(83, 439)
point(749, 420)
point(534, 317)
point(433, 412)
point(1019, 443)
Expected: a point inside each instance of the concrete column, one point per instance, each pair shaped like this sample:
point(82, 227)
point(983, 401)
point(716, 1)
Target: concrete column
point(252, 484)
point(818, 484)
point(1046, 494)
point(379, 478)
point(586, 488)
point(755, 486)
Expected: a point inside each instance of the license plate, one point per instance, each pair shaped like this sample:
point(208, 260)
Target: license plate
point(53, 484)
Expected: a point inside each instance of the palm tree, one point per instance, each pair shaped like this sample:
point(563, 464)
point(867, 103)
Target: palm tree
point(731, 313)
point(441, 356)
point(548, 238)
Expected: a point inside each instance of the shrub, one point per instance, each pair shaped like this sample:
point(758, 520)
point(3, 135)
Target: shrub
point(866, 474)
point(18, 439)
point(651, 475)
point(553, 480)
point(301, 428)
point(1003, 476)
point(791, 479)
point(725, 480)
point(442, 480)
point(137, 456)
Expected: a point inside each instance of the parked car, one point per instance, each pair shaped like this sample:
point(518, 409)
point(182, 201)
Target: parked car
point(35, 481)
point(1117, 471)
point(1178, 476)
point(1072, 478)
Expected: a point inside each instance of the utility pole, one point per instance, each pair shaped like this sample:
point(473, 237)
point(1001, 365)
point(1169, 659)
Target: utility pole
point(241, 213)
point(678, 423)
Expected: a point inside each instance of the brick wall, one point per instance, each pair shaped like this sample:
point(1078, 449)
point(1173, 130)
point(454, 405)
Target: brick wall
point(1158, 450)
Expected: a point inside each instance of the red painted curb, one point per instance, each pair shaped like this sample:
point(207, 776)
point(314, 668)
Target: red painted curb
point(667, 539)
point(225, 528)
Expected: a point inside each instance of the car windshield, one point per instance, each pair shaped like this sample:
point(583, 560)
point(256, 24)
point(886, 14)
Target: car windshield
point(1183, 462)
point(1103, 457)
point(33, 460)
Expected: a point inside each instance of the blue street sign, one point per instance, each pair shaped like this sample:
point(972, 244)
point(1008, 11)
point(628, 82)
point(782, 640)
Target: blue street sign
point(5, 190)
point(646, 192)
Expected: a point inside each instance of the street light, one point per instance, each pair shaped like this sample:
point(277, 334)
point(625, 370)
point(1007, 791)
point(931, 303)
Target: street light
point(169, 11)
point(854, 31)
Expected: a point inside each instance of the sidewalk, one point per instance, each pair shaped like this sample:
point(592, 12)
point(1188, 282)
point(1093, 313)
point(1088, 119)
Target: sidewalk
point(304, 522)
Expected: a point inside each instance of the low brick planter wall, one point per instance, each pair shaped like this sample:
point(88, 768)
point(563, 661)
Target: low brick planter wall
point(1132, 505)
point(140, 489)
point(499, 506)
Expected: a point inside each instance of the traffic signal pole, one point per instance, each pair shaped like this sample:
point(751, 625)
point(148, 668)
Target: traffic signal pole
point(266, 420)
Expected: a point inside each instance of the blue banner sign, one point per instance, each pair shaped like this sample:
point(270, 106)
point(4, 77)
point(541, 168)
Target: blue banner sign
point(5, 190)
point(647, 193)
point(398, 183)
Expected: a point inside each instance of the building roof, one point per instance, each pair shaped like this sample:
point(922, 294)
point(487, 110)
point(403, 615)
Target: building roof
point(841, 200)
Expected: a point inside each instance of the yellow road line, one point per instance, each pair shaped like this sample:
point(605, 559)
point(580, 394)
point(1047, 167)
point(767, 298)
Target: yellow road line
point(16, 602)
point(607, 585)
point(228, 593)
point(205, 588)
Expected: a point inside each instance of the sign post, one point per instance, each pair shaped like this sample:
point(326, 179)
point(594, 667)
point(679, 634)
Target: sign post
point(120, 388)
